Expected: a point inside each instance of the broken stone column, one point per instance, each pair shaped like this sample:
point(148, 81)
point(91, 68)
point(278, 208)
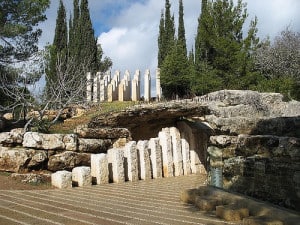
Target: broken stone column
point(144, 159)
point(166, 148)
point(104, 81)
point(81, 176)
point(186, 162)
point(124, 88)
point(158, 86)
point(147, 86)
point(61, 179)
point(99, 168)
point(155, 157)
point(135, 87)
point(176, 149)
point(116, 165)
point(89, 87)
point(113, 87)
point(131, 159)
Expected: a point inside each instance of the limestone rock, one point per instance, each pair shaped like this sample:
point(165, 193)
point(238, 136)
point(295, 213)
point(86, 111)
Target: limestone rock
point(62, 179)
point(12, 138)
point(32, 178)
point(102, 133)
point(116, 165)
point(70, 142)
point(223, 140)
point(43, 141)
point(68, 160)
point(94, 145)
point(99, 169)
point(20, 159)
point(81, 176)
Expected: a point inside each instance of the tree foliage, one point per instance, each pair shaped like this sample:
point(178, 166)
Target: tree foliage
point(279, 64)
point(18, 39)
point(221, 46)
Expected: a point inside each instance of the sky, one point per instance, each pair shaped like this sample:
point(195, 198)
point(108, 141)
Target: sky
point(128, 29)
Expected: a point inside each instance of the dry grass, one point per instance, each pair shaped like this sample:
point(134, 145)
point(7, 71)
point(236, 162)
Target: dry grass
point(67, 126)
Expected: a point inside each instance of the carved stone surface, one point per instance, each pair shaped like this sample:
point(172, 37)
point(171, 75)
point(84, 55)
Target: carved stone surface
point(81, 176)
point(144, 159)
point(166, 148)
point(99, 168)
point(62, 179)
point(131, 165)
point(116, 165)
point(177, 152)
point(155, 157)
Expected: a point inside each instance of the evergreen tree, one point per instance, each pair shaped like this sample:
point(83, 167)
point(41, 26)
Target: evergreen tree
point(59, 48)
point(220, 44)
point(181, 28)
point(74, 31)
point(176, 73)
point(88, 44)
point(166, 37)
point(161, 38)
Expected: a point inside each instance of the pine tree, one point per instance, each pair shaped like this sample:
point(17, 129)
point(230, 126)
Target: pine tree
point(220, 44)
point(181, 28)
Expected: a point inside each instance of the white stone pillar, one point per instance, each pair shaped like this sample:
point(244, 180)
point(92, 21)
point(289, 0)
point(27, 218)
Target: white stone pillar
point(186, 157)
point(144, 159)
point(135, 87)
point(96, 88)
point(166, 148)
point(176, 149)
point(89, 87)
point(147, 86)
point(155, 157)
point(131, 156)
point(158, 86)
point(110, 93)
point(61, 179)
point(81, 176)
point(116, 165)
point(99, 168)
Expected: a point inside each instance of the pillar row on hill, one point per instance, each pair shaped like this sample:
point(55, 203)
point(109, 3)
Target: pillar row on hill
point(101, 87)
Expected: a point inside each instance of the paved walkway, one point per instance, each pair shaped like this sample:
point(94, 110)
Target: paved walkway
point(144, 202)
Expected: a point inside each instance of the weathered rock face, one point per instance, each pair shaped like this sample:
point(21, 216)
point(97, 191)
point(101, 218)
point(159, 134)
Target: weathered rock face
point(256, 143)
point(12, 138)
point(152, 117)
point(68, 160)
point(94, 145)
point(20, 159)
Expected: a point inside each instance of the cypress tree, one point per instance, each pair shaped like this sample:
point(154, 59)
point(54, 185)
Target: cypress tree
point(74, 34)
point(181, 28)
point(88, 44)
point(161, 38)
point(59, 48)
point(166, 39)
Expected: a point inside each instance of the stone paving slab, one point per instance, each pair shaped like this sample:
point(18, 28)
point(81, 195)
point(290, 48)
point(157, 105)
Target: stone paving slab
point(154, 201)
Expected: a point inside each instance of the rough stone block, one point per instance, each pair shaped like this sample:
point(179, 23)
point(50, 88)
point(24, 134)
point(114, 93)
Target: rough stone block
point(231, 212)
point(166, 147)
point(81, 176)
point(144, 159)
point(261, 220)
point(207, 204)
point(186, 162)
point(116, 165)
point(131, 159)
point(176, 149)
point(99, 169)
point(61, 179)
point(155, 157)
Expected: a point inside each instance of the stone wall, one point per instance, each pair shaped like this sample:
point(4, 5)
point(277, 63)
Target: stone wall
point(164, 156)
point(256, 144)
